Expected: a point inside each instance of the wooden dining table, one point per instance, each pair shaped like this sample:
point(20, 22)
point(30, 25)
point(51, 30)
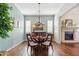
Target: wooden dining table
point(39, 37)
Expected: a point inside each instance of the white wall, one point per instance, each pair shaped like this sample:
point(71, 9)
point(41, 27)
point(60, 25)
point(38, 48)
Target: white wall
point(63, 11)
point(74, 15)
point(66, 8)
point(57, 29)
point(16, 35)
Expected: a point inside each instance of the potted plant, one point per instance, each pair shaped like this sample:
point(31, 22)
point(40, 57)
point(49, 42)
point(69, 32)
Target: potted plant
point(6, 22)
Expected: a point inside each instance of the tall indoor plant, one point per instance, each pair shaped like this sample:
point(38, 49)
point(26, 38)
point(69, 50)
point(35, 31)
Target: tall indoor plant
point(6, 22)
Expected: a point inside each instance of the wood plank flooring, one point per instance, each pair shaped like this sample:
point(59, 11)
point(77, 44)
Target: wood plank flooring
point(67, 49)
point(64, 49)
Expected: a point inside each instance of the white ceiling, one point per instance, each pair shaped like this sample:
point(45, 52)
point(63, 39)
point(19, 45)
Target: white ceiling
point(45, 8)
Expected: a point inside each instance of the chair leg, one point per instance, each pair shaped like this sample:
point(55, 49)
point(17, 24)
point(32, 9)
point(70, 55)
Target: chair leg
point(52, 48)
point(31, 52)
point(28, 51)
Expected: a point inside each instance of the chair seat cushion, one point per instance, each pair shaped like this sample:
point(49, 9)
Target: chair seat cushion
point(46, 43)
point(33, 44)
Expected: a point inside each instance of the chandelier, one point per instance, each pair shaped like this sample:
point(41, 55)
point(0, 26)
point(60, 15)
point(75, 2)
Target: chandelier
point(38, 25)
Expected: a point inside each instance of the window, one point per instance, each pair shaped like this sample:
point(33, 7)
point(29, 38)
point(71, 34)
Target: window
point(28, 26)
point(50, 26)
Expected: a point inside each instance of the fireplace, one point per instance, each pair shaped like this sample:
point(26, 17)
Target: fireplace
point(69, 35)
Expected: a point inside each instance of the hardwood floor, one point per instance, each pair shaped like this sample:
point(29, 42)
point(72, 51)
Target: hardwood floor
point(73, 48)
point(67, 49)
point(64, 49)
point(18, 50)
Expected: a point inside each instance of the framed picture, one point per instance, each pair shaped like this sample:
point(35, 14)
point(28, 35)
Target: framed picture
point(68, 22)
point(16, 24)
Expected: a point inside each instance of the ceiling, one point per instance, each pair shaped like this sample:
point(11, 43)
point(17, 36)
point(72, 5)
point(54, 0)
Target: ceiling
point(45, 8)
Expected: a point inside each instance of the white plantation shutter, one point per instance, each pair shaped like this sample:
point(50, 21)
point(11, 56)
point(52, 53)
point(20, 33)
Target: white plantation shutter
point(28, 26)
point(50, 26)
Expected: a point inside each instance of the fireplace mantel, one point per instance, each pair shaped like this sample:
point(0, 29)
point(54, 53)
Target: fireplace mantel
point(68, 29)
point(72, 28)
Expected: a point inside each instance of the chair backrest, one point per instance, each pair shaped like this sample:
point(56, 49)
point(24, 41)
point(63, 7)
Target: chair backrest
point(39, 37)
point(31, 37)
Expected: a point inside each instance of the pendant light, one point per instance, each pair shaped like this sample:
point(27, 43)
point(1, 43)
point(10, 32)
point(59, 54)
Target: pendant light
point(38, 25)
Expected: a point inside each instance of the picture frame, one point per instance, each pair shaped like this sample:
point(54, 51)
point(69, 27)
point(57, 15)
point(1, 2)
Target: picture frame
point(68, 22)
point(16, 24)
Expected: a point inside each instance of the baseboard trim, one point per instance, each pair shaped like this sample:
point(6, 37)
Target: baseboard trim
point(14, 46)
point(2, 53)
point(70, 41)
